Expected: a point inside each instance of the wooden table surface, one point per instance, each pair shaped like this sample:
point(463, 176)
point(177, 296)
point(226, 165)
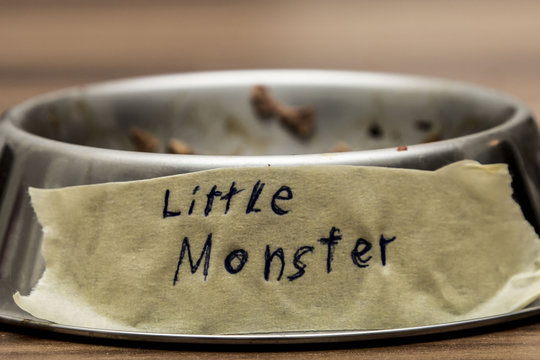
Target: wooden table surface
point(47, 45)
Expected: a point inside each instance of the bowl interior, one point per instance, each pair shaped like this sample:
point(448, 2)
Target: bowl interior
point(221, 120)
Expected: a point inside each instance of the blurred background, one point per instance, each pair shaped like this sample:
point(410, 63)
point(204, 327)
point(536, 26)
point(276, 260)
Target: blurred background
point(47, 45)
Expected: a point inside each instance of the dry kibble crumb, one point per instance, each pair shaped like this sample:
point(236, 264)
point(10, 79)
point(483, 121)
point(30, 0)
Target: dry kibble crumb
point(375, 131)
point(176, 146)
point(432, 138)
point(262, 102)
point(143, 140)
point(341, 146)
point(494, 142)
point(423, 125)
point(298, 120)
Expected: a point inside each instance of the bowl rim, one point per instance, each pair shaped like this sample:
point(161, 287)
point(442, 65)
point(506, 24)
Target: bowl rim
point(10, 119)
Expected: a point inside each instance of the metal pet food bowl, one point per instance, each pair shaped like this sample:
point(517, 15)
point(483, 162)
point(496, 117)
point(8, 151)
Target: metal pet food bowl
point(82, 136)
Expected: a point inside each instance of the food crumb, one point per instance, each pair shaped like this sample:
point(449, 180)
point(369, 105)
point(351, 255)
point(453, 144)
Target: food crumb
point(423, 125)
point(300, 121)
point(176, 146)
point(375, 131)
point(341, 146)
point(143, 140)
point(494, 142)
point(263, 103)
point(402, 148)
point(432, 138)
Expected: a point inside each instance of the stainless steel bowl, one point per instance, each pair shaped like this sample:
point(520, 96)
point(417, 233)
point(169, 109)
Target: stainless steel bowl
point(80, 136)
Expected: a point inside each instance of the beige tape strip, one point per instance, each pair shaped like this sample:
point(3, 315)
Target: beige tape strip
point(285, 249)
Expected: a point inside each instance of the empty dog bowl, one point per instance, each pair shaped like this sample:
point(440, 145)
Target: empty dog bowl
point(82, 136)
